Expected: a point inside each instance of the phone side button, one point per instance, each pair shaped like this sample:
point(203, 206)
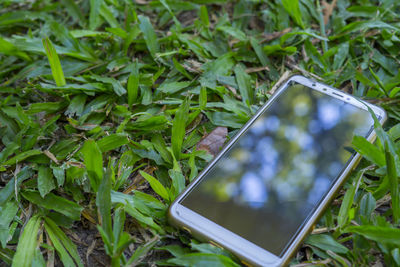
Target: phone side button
point(246, 264)
point(187, 229)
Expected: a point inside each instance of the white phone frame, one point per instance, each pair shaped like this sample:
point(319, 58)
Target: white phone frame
point(249, 253)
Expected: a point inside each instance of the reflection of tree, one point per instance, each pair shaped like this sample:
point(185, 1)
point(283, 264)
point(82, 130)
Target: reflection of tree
point(283, 164)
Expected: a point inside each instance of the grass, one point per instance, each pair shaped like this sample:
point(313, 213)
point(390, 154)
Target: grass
point(103, 102)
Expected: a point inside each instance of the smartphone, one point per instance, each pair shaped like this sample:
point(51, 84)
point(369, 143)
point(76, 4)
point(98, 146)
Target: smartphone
point(262, 194)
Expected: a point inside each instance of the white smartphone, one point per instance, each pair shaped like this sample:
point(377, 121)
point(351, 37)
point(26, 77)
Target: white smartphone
point(269, 185)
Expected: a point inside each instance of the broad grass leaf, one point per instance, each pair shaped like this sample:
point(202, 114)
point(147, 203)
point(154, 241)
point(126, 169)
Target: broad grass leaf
point(394, 183)
point(159, 144)
point(156, 186)
point(208, 248)
point(178, 181)
point(93, 160)
point(365, 25)
point(141, 251)
point(368, 150)
point(22, 156)
point(148, 123)
point(7, 255)
point(112, 141)
point(27, 243)
point(140, 217)
point(103, 202)
point(7, 48)
point(226, 119)
point(59, 174)
point(326, 242)
point(74, 10)
point(133, 84)
point(106, 13)
point(94, 15)
point(54, 62)
point(76, 106)
point(7, 213)
point(149, 34)
point(7, 192)
point(293, 8)
point(172, 87)
point(234, 32)
point(341, 55)
point(178, 128)
point(116, 85)
point(381, 234)
point(203, 15)
point(45, 180)
point(203, 260)
point(244, 82)
point(367, 205)
point(65, 248)
point(56, 203)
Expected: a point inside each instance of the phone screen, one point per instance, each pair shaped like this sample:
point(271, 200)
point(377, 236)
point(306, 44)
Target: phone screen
point(273, 177)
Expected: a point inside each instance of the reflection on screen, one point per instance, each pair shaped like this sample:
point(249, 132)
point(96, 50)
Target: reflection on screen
point(273, 177)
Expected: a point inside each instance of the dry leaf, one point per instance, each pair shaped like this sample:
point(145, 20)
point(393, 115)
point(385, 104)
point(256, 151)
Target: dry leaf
point(274, 35)
point(213, 142)
point(328, 10)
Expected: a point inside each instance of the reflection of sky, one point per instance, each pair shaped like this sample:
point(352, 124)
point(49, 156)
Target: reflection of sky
point(321, 184)
point(253, 190)
point(289, 156)
point(328, 114)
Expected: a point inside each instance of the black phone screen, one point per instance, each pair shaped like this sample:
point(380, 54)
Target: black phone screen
point(272, 178)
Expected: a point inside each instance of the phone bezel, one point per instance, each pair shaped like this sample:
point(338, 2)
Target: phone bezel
point(205, 229)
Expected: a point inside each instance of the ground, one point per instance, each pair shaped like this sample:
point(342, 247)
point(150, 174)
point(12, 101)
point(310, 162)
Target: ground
point(108, 108)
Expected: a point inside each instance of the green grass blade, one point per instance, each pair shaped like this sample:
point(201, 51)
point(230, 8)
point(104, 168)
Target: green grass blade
point(103, 202)
point(94, 15)
point(149, 34)
point(368, 150)
point(156, 186)
point(293, 8)
point(27, 243)
point(45, 180)
point(244, 83)
point(178, 128)
point(394, 184)
point(56, 203)
point(54, 62)
point(348, 200)
point(133, 84)
point(65, 248)
point(93, 160)
point(381, 234)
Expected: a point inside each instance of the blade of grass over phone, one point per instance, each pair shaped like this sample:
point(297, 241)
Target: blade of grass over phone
point(394, 184)
point(27, 243)
point(54, 62)
point(348, 199)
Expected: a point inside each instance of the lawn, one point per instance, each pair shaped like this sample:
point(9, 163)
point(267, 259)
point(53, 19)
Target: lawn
point(108, 108)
